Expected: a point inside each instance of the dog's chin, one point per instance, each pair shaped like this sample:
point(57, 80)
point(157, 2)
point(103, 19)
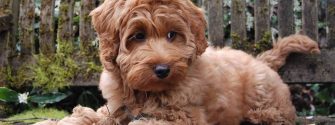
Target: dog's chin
point(142, 78)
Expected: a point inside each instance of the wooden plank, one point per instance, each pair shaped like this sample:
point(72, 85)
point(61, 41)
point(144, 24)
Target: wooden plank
point(262, 19)
point(4, 33)
point(286, 18)
point(86, 32)
point(309, 69)
point(315, 120)
point(331, 23)
point(92, 81)
point(47, 41)
point(238, 20)
point(65, 22)
point(3, 50)
point(26, 29)
point(205, 4)
point(15, 12)
point(5, 22)
point(310, 18)
point(216, 22)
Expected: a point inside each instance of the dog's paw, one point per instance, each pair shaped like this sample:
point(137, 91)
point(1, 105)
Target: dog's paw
point(149, 122)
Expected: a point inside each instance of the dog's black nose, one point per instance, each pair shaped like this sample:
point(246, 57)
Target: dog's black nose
point(162, 71)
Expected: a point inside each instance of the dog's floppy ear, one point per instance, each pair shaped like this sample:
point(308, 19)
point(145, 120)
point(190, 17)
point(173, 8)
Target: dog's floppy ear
point(104, 20)
point(198, 27)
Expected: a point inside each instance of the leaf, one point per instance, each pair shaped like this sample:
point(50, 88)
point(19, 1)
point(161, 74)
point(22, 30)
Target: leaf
point(322, 110)
point(315, 87)
point(8, 95)
point(48, 98)
point(324, 96)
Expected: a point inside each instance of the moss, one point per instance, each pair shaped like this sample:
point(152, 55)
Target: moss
point(250, 47)
point(56, 71)
point(331, 10)
point(238, 6)
point(5, 110)
point(264, 44)
point(241, 44)
point(16, 78)
point(35, 113)
point(91, 68)
point(87, 18)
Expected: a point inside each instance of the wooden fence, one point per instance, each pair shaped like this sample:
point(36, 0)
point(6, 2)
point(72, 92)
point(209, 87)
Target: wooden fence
point(17, 24)
point(18, 28)
point(300, 68)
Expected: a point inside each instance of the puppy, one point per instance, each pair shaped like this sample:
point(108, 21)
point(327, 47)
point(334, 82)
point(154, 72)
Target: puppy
point(159, 70)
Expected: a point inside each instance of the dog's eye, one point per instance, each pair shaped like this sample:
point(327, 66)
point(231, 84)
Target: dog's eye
point(171, 35)
point(140, 36)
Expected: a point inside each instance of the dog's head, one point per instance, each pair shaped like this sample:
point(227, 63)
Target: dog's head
point(151, 43)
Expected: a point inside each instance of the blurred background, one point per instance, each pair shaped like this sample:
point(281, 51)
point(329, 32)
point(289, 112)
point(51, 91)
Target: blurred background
point(49, 53)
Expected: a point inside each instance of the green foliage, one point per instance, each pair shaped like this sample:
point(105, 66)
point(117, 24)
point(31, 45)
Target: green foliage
point(324, 99)
point(57, 71)
point(241, 44)
point(8, 95)
point(264, 44)
point(17, 79)
point(5, 110)
point(48, 98)
point(253, 48)
point(35, 115)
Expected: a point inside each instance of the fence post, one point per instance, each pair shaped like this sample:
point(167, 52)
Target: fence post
point(65, 23)
point(204, 4)
point(216, 22)
point(13, 37)
point(310, 18)
point(238, 20)
point(286, 17)
point(47, 41)
point(26, 23)
point(86, 32)
point(4, 34)
point(262, 19)
point(331, 23)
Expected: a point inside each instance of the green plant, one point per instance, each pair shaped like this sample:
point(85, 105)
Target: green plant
point(10, 96)
point(34, 115)
point(324, 99)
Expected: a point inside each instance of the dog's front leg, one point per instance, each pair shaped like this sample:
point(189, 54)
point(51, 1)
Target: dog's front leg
point(183, 116)
point(150, 122)
point(110, 86)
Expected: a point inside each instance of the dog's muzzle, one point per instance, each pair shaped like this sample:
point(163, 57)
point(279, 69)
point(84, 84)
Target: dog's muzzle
point(162, 70)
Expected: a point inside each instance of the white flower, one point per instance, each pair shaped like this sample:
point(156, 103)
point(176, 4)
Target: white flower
point(23, 98)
